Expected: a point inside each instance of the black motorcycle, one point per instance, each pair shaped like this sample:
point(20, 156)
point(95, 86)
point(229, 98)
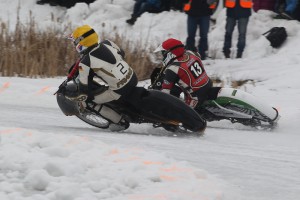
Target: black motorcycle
point(145, 106)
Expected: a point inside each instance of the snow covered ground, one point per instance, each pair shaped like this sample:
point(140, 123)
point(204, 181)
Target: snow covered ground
point(47, 156)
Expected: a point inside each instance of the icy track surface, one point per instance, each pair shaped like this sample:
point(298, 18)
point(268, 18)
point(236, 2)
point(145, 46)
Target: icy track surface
point(46, 155)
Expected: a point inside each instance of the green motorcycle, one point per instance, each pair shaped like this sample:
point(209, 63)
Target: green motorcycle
point(231, 104)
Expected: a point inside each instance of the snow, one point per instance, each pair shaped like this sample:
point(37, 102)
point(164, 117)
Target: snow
point(45, 155)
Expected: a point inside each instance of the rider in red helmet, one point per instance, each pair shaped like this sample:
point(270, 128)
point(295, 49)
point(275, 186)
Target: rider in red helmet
point(184, 69)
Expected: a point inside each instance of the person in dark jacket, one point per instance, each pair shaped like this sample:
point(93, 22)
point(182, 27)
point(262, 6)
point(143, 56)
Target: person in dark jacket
point(289, 11)
point(238, 12)
point(290, 8)
point(141, 6)
point(297, 12)
point(63, 3)
point(263, 4)
point(198, 14)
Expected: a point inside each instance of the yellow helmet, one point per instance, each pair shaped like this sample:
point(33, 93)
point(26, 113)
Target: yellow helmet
point(84, 37)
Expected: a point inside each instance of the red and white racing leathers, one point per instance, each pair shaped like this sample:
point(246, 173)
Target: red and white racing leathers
point(188, 72)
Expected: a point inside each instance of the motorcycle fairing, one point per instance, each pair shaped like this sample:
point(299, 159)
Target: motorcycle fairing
point(239, 104)
point(67, 106)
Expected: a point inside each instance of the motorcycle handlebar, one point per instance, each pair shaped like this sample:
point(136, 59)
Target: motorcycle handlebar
point(70, 76)
point(74, 70)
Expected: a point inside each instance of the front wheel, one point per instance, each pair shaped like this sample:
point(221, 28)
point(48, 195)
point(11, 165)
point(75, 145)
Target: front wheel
point(92, 118)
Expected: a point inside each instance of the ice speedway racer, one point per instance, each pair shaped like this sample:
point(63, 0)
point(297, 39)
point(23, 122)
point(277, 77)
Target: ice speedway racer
point(231, 104)
point(154, 107)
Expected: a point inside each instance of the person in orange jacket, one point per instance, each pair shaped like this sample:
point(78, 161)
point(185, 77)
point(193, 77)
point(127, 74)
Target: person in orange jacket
point(238, 11)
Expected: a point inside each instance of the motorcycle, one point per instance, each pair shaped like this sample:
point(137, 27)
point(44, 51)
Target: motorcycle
point(146, 106)
point(231, 104)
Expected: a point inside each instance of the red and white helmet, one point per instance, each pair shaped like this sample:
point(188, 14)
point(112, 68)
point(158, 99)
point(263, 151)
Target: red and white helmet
point(171, 49)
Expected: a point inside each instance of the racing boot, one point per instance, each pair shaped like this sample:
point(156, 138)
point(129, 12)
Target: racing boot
point(121, 126)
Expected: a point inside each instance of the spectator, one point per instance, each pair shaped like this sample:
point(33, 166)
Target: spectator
point(297, 12)
point(165, 5)
point(141, 6)
point(63, 3)
point(177, 4)
point(199, 13)
point(263, 4)
point(279, 6)
point(51, 2)
point(289, 11)
point(237, 11)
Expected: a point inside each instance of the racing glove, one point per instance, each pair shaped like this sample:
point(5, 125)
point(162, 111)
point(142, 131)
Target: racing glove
point(189, 100)
point(80, 94)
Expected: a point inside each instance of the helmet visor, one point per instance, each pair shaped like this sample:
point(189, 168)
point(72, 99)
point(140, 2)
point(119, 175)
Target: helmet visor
point(72, 39)
point(161, 53)
point(159, 49)
point(167, 58)
point(79, 48)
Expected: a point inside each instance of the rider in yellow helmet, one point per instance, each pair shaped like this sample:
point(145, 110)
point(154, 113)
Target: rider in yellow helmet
point(104, 60)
